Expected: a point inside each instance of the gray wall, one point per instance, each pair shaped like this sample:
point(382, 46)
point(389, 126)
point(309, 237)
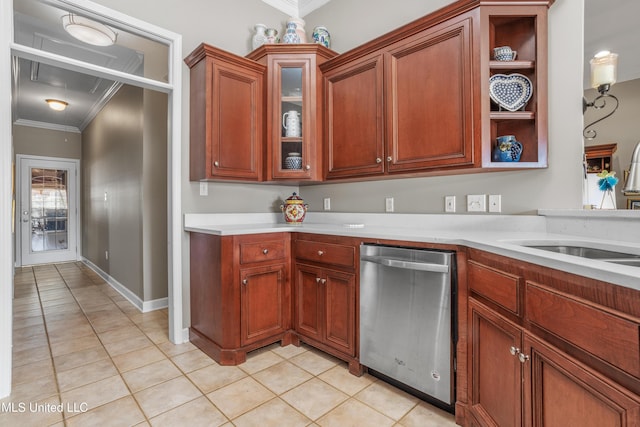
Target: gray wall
point(117, 146)
point(111, 165)
point(46, 142)
point(623, 128)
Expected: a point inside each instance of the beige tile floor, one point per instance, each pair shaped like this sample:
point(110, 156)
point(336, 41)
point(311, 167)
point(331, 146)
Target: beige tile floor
point(84, 356)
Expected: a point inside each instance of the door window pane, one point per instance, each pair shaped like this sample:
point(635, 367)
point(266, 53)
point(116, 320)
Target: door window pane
point(49, 209)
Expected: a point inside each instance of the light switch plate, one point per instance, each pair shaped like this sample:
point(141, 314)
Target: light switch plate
point(204, 188)
point(327, 203)
point(476, 203)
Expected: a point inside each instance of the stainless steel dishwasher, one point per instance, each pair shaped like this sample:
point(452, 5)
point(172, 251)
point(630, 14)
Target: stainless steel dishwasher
point(407, 318)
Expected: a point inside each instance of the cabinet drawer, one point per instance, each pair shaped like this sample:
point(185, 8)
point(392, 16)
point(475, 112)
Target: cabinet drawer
point(266, 250)
point(611, 337)
point(497, 286)
point(329, 253)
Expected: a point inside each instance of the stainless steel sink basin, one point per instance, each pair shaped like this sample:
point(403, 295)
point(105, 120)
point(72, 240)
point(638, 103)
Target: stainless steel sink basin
point(585, 252)
point(620, 258)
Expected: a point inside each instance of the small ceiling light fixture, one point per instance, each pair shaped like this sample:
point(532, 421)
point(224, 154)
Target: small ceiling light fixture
point(604, 67)
point(56, 104)
point(88, 31)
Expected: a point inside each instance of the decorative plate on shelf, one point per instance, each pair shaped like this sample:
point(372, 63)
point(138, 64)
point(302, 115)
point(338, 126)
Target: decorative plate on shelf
point(510, 91)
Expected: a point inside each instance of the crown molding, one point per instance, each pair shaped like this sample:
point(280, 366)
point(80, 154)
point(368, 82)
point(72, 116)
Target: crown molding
point(296, 8)
point(44, 125)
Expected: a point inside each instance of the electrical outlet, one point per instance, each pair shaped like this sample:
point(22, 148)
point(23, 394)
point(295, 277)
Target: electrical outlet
point(327, 204)
point(388, 204)
point(204, 188)
point(106, 255)
point(476, 203)
point(450, 204)
point(495, 203)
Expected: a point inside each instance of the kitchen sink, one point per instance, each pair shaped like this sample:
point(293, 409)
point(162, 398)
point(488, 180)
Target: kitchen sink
point(586, 252)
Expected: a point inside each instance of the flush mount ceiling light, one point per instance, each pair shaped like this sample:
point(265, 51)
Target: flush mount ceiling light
point(88, 31)
point(56, 104)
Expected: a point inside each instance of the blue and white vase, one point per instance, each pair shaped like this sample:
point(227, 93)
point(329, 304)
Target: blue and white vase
point(321, 36)
point(290, 36)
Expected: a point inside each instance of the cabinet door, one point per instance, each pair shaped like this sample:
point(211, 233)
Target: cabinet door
point(340, 304)
point(308, 301)
point(429, 100)
point(496, 372)
point(354, 119)
point(566, 393)
point(263, 302)
point(236, 122)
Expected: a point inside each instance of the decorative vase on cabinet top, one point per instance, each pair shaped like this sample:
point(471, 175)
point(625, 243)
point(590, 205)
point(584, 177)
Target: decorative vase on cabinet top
point(299, 28)
point(294, 210)
point(272, 36)
point(321, 36)
point(259, 38)
point(290, 36)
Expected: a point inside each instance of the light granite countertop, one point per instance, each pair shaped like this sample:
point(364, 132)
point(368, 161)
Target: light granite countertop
point(506, 235)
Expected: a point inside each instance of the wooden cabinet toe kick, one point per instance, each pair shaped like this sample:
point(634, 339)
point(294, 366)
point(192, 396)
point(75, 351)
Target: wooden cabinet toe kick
point(234, 356)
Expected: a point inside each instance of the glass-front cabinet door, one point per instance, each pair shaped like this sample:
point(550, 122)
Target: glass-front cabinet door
point(294, 108)
point(290, 149)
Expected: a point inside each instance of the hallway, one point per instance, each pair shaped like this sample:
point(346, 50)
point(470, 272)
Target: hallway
point(83, 355)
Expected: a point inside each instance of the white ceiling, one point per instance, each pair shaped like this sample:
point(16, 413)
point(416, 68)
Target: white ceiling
point(296, 8)
point(608, 25)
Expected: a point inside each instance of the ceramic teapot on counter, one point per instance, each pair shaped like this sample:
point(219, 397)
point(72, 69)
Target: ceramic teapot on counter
point(294, 210)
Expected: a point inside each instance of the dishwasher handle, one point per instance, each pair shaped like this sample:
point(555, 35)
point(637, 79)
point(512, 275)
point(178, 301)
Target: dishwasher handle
point(409, 265)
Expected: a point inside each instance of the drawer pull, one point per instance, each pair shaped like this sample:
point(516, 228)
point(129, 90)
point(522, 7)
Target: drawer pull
point(523, 357)
point(514, 350)
point(265, 251)
point(320, 253)
point(245, 281)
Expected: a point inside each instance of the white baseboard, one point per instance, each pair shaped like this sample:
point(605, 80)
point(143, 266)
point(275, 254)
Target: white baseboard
point(143, 306)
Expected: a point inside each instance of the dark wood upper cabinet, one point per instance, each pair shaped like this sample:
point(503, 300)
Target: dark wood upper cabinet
point(226, 116)
point(294, 87)
point(415, 101)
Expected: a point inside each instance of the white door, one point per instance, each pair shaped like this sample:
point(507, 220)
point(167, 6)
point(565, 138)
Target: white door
point(48, 210)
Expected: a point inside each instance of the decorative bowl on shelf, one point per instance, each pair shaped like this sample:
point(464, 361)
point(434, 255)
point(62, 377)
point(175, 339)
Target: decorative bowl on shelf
point(510, 91)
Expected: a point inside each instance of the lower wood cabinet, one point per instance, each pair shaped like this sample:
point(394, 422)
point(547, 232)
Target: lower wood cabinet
point(540, 355)
point(518, 379)
point(325, 307)
point(240, 294)
point(326, 296)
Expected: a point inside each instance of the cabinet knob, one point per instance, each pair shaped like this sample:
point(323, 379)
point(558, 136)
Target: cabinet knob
point(317, 280)
point(389, 159)
point(216, 164)
point(308, 167)
point(265, 251)
point(245, 281)
point(378, 160)
point(323, 281)
point(523, 357)
point(514, 350)
point(320, 253)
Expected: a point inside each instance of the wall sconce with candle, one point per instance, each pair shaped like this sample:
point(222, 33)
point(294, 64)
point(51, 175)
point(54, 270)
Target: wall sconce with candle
point(604, 68)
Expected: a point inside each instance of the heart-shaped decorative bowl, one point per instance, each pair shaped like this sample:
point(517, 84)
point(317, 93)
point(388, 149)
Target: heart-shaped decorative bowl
point(510, 91)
